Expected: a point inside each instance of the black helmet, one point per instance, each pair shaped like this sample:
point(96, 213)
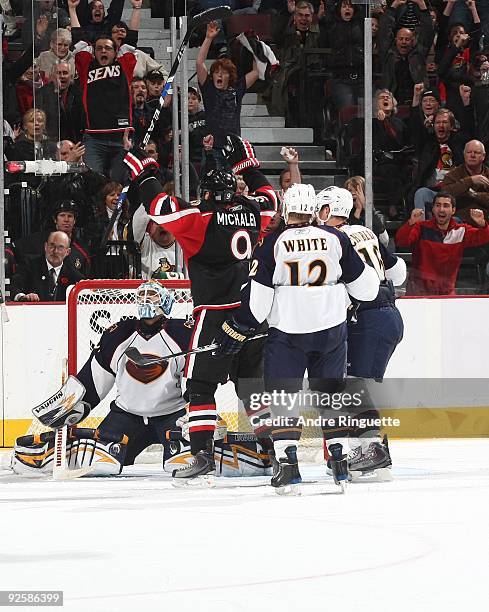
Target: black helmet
point(65, 206)
point(220, 183)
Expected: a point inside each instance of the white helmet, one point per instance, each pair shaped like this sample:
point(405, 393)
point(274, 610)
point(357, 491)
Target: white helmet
point(339, 200)
point(301, 199)
point(153, 299)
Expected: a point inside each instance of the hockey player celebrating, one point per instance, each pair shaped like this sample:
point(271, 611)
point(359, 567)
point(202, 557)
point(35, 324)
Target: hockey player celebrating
point(217, 238)
point(375, 328)
point(299, 282)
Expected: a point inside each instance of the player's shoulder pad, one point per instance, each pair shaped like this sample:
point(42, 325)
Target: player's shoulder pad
point(342, 236)
point(180, 331)
point(116, 334)
point(266, 246)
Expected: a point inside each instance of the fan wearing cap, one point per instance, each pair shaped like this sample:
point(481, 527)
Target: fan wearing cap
point(424, 105)
point(155, 81)
point(64, 216)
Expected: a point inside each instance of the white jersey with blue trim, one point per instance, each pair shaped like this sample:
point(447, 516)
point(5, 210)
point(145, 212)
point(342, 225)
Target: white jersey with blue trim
point(143, 391)
point(366, 244)
point(300, 278)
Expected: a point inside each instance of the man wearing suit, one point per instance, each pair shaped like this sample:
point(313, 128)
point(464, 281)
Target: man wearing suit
point(46, 278)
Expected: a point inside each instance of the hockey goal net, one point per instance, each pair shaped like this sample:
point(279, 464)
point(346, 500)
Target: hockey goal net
point(95, 305)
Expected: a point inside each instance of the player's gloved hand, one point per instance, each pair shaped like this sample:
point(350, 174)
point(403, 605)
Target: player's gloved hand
point(231, 337)
point(138, 162)
point(240, 153)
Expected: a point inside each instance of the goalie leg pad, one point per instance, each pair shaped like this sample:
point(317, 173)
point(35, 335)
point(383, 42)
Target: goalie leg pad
point(232, 460)
point(33, 455)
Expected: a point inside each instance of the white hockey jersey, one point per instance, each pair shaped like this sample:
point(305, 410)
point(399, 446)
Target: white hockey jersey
point(366, 244)
point(149, 391)
point(300, 278)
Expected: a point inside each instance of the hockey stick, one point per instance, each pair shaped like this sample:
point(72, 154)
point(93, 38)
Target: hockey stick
point(212, 14)
point(231, 437)
point(142, 361)
point(61, 469)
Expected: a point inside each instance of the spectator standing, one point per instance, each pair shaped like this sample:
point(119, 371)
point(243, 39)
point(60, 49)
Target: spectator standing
point(424, 106)
point(222, 91)
point(294, 31)
point(105, 76)
point(92, 18)
point(26, 88)
point(197, 128)
point(440, 154)
point(453, 68)
point(61, 100)
point(343, 29)
point(402, 53)
point(438, 246)
point(142, 113)
point(49, 14)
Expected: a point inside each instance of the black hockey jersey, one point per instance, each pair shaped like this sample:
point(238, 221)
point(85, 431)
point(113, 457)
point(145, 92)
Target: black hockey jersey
point(217, 240)
point(106, 90)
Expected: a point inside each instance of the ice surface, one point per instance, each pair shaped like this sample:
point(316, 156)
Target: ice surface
point(419, 543)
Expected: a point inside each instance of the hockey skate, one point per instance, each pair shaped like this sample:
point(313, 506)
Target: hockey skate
point(372, 463)
point(339, 465)
point(200, 473)
point(286, 477)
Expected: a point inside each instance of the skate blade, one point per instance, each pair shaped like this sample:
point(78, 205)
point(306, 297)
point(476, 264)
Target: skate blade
point(289, 490)
point(378, 475)
point(343, 484)
point(207, 481)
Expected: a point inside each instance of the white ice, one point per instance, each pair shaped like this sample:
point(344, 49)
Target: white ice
point(419, 543)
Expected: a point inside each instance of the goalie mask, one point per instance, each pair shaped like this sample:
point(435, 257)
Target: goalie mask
point(299, 199)
point(339, 200)
point(153, 299)
point(218, 185)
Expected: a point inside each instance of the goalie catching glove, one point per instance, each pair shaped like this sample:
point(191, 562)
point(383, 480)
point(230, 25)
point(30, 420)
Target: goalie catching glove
point(65, 407)
point(240, 154)
point(138, 163)
point(231, 337)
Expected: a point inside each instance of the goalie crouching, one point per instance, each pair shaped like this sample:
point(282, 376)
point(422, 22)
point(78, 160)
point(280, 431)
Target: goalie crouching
point(148, 409)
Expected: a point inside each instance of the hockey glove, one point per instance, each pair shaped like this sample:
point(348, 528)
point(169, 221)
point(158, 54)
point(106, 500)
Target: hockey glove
point(138, 163)
point(240, 154)
point(65, 407)
point(231, 337)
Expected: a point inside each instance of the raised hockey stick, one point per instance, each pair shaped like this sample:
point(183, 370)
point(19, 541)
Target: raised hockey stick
point(142, 361)
point(212, 14)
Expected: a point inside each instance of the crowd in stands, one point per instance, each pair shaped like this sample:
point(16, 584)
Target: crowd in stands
point(81, 91)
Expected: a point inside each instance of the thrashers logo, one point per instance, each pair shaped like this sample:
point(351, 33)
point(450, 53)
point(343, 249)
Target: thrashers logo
point(146, 374)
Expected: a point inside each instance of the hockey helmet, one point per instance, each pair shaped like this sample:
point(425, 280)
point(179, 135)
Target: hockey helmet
point(153, 299)
point(300, 198)
point(339, 200)
point(220, 184)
